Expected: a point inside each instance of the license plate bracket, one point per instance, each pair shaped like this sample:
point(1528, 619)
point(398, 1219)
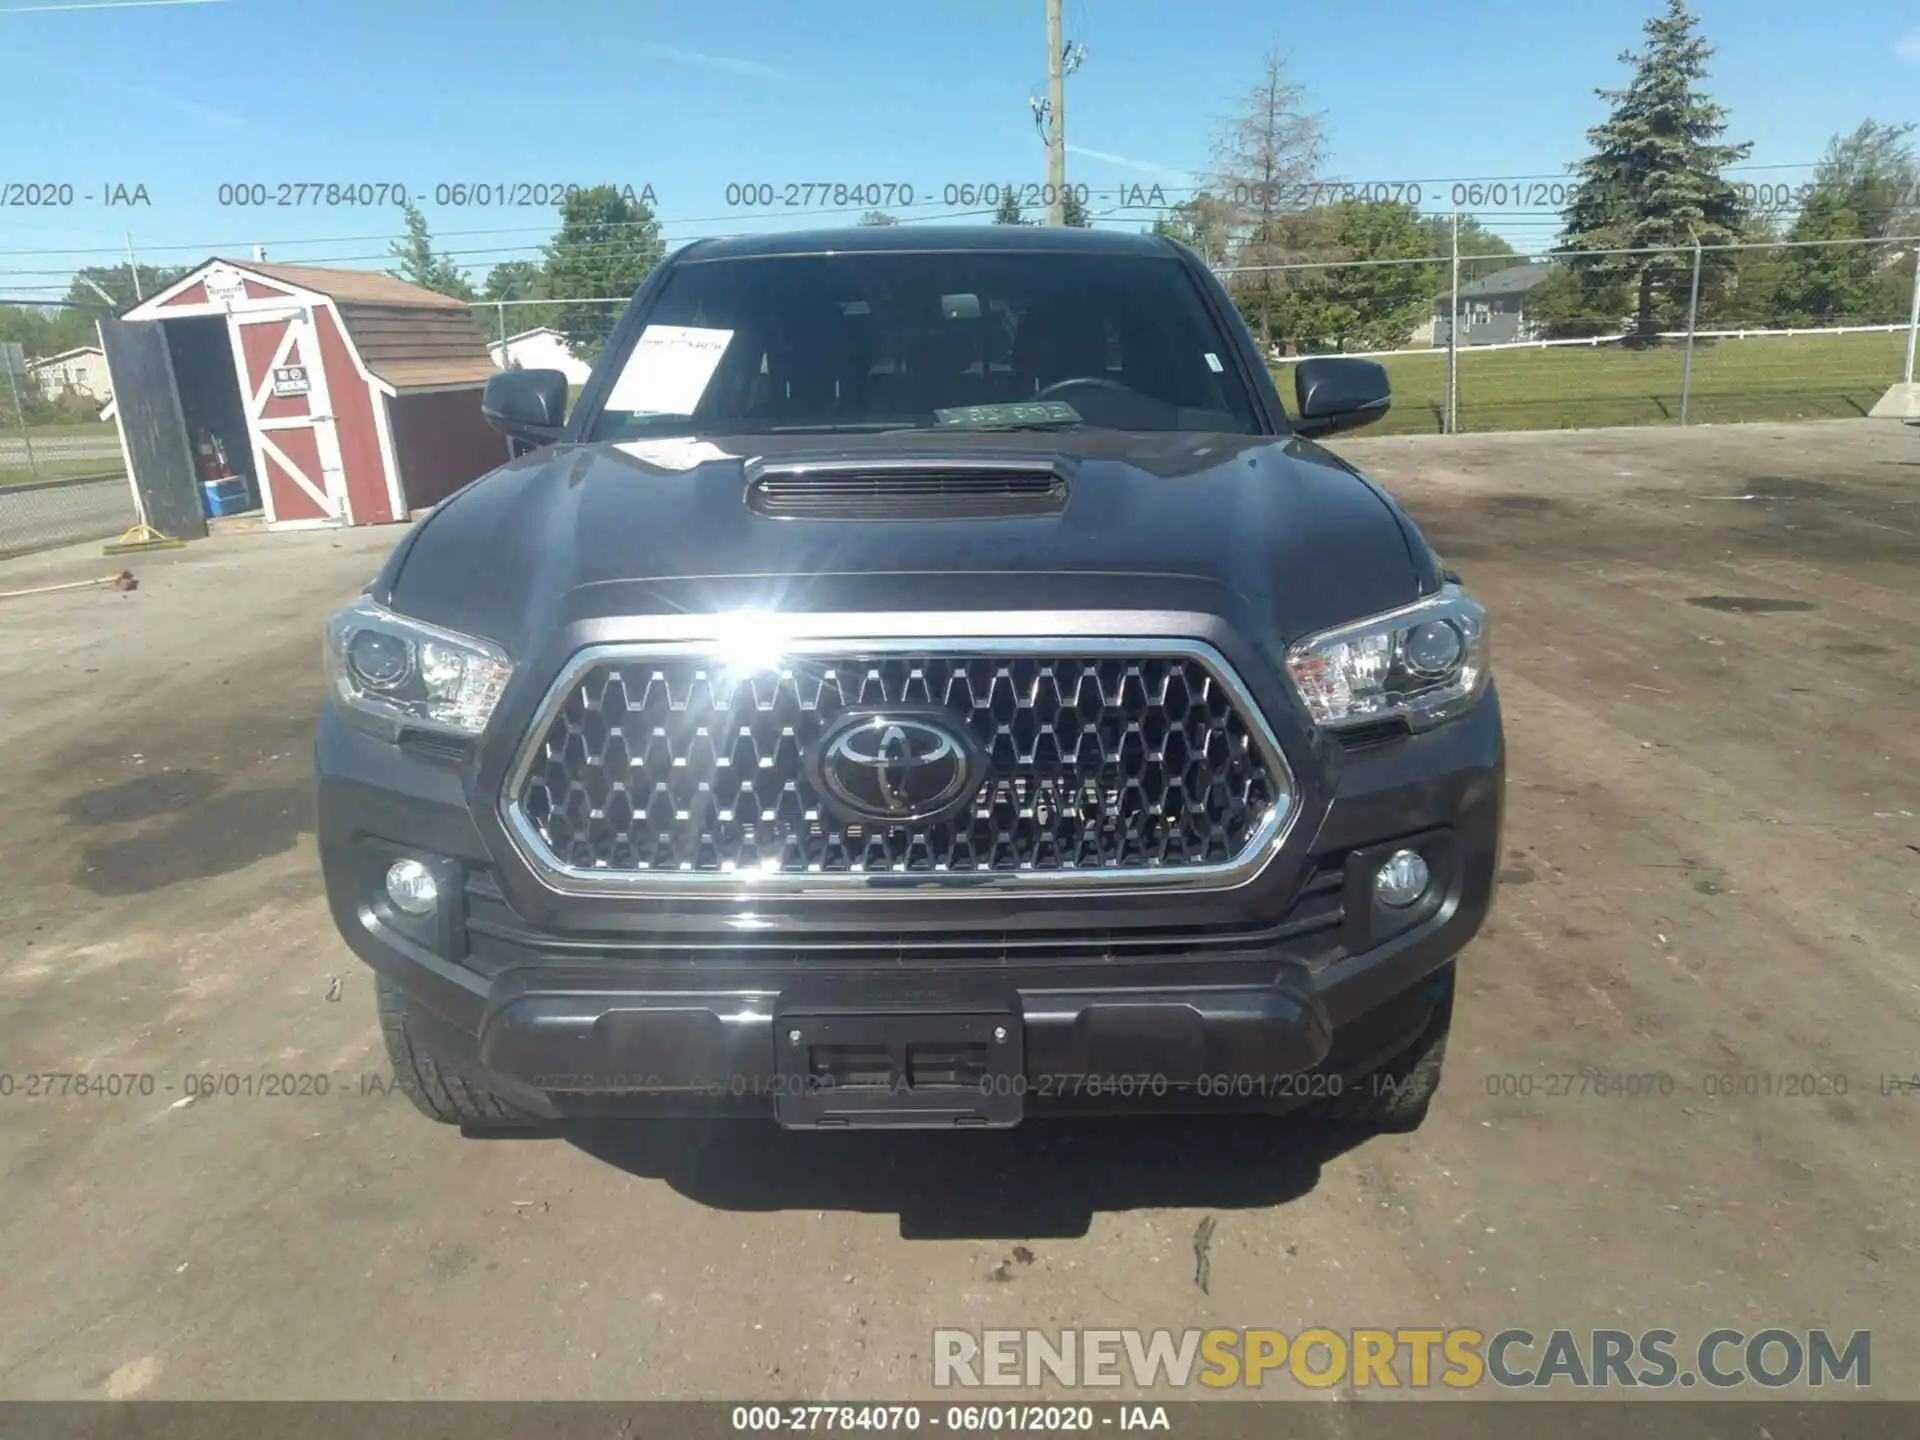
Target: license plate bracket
point(858, 1068)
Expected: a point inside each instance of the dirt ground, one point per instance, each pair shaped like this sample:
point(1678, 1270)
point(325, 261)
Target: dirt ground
point(1706, 643)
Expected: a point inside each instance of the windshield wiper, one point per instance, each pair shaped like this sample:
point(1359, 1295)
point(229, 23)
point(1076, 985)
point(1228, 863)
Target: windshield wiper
point(869, 427)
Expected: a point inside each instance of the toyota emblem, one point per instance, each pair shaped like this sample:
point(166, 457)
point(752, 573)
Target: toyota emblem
point(895, 767)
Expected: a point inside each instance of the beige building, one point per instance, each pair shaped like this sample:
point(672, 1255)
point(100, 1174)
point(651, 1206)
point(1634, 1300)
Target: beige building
point(542, 349)
point(82, 371)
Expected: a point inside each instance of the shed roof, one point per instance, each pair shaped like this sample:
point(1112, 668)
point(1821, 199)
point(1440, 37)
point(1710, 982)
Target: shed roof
point(414, 347)
point(411, 338)
point(372, 287)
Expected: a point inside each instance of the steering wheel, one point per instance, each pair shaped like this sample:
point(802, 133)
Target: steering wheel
point(1099, 381)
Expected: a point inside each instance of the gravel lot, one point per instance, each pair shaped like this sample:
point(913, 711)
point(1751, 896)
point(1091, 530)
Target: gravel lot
point(1706, 643)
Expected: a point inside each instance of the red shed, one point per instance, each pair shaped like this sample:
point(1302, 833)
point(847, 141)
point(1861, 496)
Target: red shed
point(322, 396)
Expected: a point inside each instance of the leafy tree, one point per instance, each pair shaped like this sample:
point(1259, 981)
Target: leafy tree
point(1750, 295)
point(607, 244)
point(515, 280)
point(1265, 152)
point(1654, 179)
point(1481, 251)
point(1204, 223)
point(520, 280)
point(1866, 185)
point(43, 330)
point(1826, 283)
point(879, 217)
point(1008, 212)
point(1875, 172)
point(422, 265)
point(1073, 212)
point(1364, 307)
point(1476, 239)
point(1568, 305)
point(46, 331)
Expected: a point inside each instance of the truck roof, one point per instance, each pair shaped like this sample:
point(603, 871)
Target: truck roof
point(1005, 238)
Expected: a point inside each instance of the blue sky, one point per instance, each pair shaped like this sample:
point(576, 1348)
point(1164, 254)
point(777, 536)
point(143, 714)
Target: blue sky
point(184, 95)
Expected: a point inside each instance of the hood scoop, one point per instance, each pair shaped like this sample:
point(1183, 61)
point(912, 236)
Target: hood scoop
point(999, 488)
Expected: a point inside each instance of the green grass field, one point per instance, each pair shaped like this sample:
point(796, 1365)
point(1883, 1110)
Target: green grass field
point(70, 430)
point(60, 470)
point(1801, 377)
point(49, 465)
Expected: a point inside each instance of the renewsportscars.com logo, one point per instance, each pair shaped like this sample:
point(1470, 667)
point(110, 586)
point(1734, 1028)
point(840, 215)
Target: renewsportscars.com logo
point(1457, 1358)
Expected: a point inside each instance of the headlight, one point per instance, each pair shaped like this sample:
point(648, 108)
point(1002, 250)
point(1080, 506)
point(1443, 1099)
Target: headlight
point(410, 676)
point(1423, 664)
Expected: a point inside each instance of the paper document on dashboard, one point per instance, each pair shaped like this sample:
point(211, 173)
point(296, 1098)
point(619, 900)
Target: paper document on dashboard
point(669, 370)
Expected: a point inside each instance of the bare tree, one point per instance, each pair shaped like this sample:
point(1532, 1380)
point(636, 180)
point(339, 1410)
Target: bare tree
point(1266, 156)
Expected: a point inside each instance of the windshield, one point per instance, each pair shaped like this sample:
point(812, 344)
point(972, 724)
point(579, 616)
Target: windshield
point(946, 340)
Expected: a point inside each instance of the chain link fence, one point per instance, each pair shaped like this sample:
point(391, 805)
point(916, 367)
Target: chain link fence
point(62, 478)
point(1749, 332)
point(36, 515)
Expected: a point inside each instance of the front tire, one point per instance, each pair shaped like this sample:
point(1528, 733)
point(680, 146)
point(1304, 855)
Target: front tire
point(437, 1091)
point(1394, 1099)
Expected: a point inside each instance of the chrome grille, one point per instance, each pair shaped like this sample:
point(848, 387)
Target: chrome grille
point(1105, 761)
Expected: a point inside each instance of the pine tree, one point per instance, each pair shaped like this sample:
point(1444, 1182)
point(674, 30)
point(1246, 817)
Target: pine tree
point(1654, 178)
point(1073, 212)
point(1008, 212)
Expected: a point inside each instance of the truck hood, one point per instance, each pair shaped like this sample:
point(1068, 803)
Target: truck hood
point(1270, 533)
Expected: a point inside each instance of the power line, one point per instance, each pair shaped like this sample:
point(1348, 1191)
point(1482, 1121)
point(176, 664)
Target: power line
point(1118, 192)
point(500, 254)
point(547, 230)
point(509, 251)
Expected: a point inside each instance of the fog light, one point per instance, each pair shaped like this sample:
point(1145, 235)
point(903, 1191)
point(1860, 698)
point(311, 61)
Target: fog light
point(414, 891)
point(1400, 882)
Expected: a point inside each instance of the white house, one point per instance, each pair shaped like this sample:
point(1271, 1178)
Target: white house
point(82, 371)
point(542, 349)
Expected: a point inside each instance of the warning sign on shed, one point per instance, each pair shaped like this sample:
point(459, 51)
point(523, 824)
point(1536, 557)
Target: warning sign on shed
point(289, 380)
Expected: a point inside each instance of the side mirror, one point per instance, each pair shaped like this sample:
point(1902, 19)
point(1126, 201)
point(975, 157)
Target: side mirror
point(529, 405)
point(1333, 392)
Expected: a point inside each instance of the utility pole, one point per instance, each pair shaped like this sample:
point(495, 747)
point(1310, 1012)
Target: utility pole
point(133, 268)
point(1913, 321)
point(1693, 321)
point(1057, 104)
point(1453, 334)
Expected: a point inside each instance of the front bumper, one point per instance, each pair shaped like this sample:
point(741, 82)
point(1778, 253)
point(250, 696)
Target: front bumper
point(1250, 998)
